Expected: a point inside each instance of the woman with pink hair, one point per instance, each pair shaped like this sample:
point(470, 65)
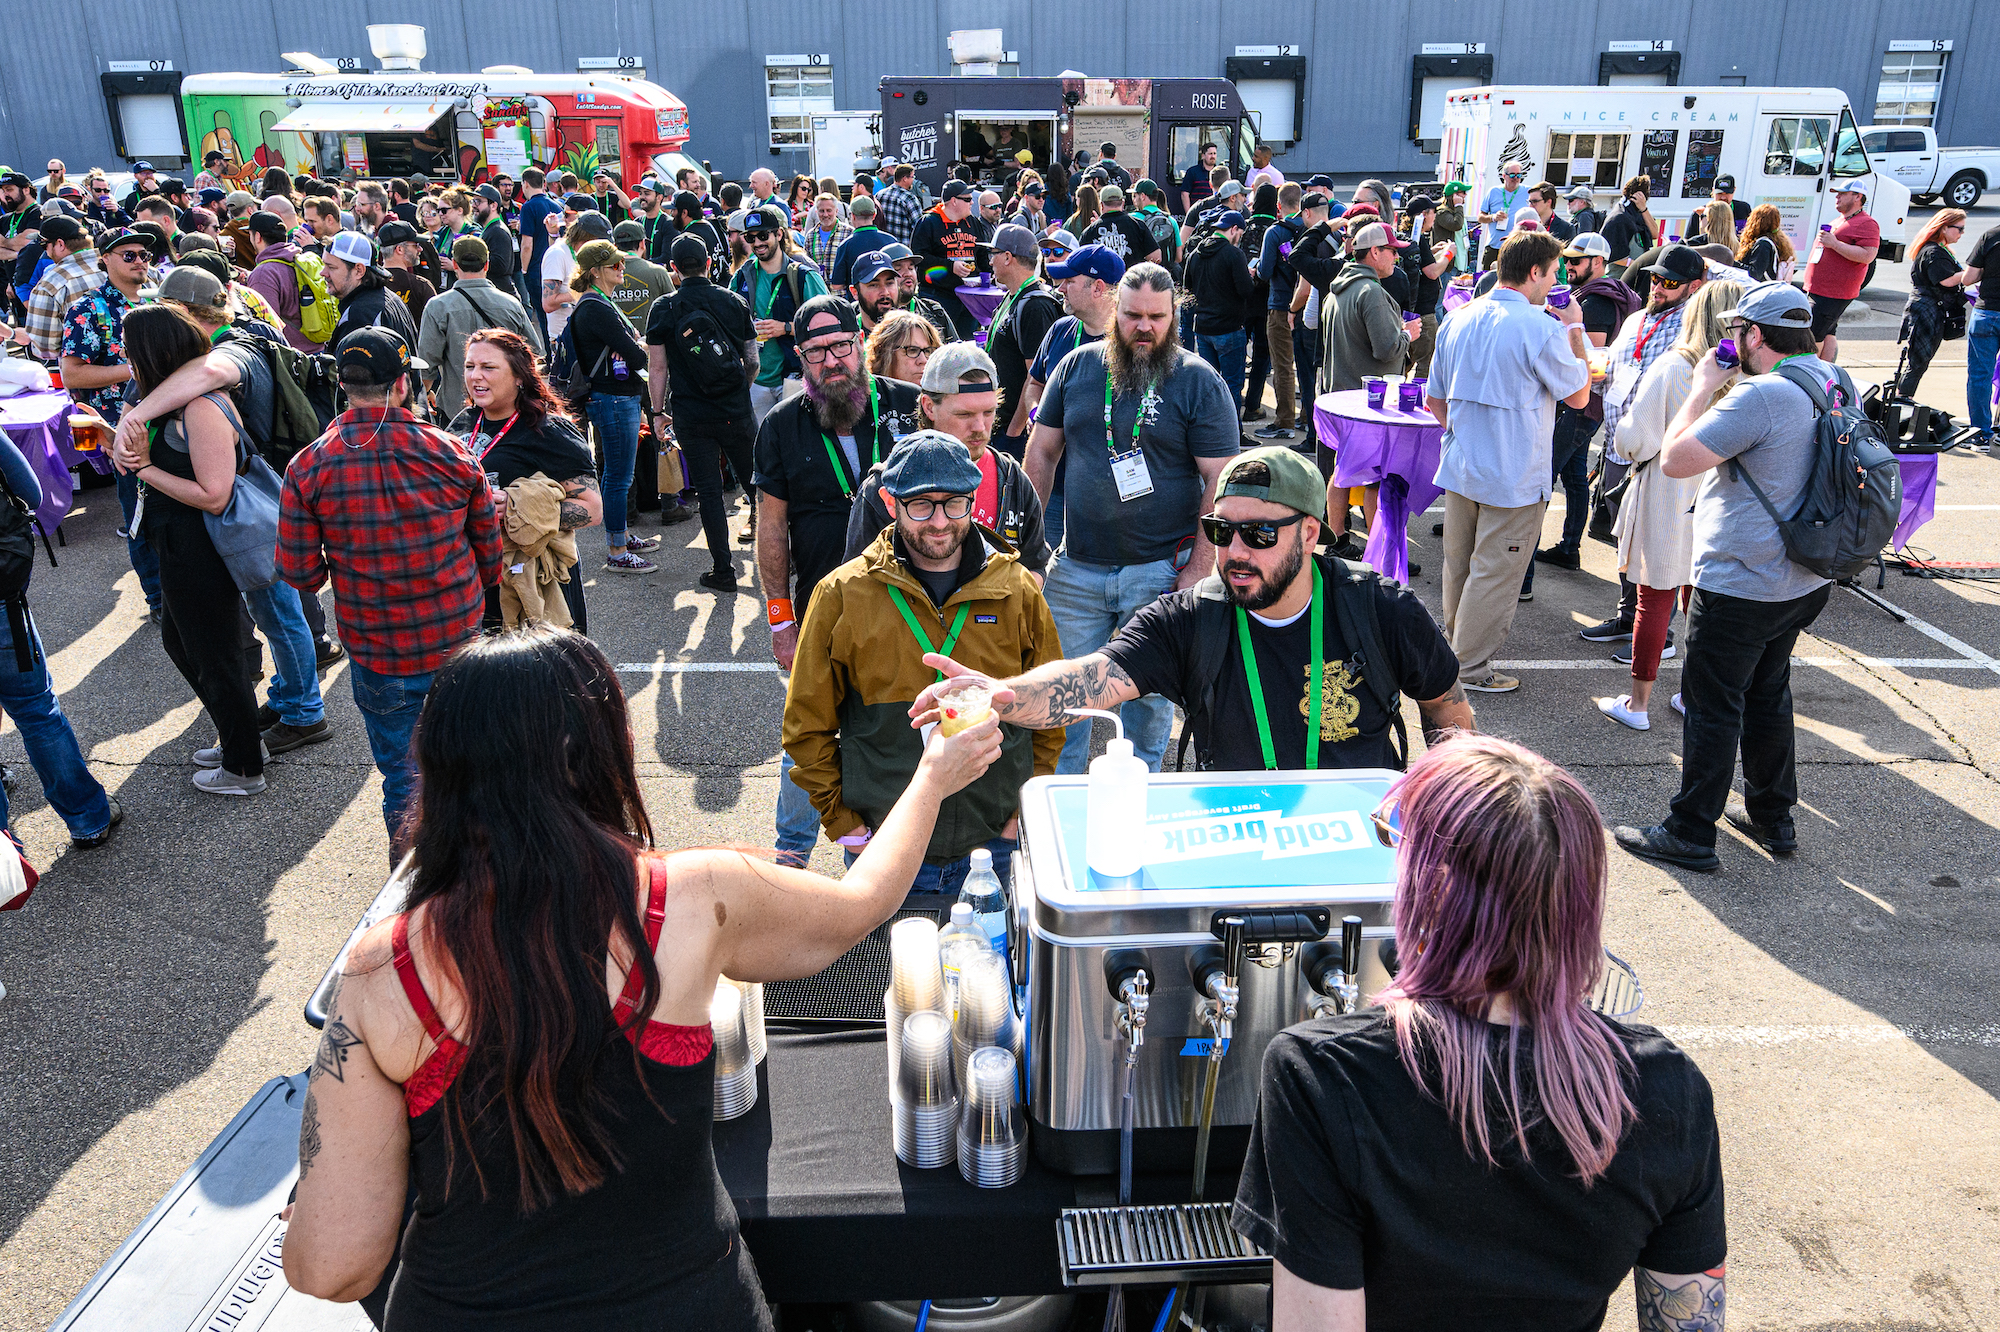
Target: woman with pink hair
point(1482, 1148)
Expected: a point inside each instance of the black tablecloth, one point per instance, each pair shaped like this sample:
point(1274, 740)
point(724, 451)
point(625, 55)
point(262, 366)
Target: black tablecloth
point(830, 1214)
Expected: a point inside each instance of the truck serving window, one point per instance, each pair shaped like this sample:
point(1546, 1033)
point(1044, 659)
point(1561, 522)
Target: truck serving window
point(1797, 146)
point(1596, 160)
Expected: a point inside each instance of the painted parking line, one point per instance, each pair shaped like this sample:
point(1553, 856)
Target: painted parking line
point(1869, 1033)
point(1673, 663)
point(697, 667)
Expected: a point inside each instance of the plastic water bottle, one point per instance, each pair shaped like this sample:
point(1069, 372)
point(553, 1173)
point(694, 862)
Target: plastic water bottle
point(953, 941)
point(988, 900)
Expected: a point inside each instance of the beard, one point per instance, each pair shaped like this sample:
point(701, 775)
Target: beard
point(838, 397)
point(877, 308)
point(1275, 584)
point(932, 542)
point(1658, 300)
point(1136, 367)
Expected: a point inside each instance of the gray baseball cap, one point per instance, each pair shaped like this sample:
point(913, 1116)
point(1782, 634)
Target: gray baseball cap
point(959, 367)
point(1778, 303)
point(1017, 240)
point(930, 462)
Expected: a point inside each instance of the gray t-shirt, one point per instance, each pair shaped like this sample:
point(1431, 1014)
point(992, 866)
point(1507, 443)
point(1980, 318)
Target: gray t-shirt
point(1765, 424)
point(1190, 416)
point(256, 391)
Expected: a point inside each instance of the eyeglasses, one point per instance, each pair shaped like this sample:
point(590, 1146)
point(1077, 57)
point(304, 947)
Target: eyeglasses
point(1669, 284)
point(1257, 534)
point(923, 510)
point(1388, 821)
point(839, 351)
point(913, 350)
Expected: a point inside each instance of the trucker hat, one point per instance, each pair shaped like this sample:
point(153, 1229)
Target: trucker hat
point(1586, 245)
point(1527, 219)
point(1015, 239)
point(1725, 184)
point(355, 248)
point(1375, 235)
point(1854, 185)
point(959, 367)
point(1679, 262)
point(869, 266)
point(1094, 261)
point(376, 355)
point(930, 462)
point(1230, 189)
point(766, 217)
point(823, 315)
point(1777, 303)
point(1275, 475)
point(1580, 192)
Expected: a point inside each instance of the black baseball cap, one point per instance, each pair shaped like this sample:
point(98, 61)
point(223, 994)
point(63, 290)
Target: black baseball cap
point(956, 189)
point(1679, 262)
point(1725, 184)
point(687, 253)
point(489, 193)
point(825, 314)
point(395, 232)
point(687, 201)
point(268, 225)
point(376, 355)
point(63, 227)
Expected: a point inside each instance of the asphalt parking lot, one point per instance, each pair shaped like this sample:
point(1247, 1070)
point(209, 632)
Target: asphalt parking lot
point(1840, 1001)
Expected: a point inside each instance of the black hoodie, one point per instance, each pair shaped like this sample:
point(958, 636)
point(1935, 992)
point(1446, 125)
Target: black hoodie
point(1218, 277)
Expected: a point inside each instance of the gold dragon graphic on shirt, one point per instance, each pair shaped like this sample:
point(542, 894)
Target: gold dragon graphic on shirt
point(1338, 707)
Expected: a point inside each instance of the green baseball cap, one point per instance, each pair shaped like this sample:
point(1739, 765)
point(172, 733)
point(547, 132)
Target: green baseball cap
point(1457, 187)
point(1277, 476)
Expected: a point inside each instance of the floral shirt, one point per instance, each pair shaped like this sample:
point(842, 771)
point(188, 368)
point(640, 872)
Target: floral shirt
point(93, 331)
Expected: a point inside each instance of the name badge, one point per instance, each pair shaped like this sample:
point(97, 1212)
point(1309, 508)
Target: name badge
point(1129, 471)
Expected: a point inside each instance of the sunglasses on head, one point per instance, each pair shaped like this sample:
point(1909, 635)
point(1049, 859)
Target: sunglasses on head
point(1257, 534)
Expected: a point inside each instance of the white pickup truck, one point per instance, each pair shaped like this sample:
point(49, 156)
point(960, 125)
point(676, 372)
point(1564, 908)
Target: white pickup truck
point(1910, 154)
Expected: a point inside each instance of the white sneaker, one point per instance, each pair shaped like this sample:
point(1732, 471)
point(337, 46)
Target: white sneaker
point(1678, 706)
point(212, 756)
point(1619, 709)
point(221, 781)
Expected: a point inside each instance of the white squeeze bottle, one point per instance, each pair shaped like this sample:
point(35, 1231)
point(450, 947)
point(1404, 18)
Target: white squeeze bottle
point(961, 934)
point(1115, 842)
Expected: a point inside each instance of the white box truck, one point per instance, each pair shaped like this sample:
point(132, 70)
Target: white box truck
point(1789, 147)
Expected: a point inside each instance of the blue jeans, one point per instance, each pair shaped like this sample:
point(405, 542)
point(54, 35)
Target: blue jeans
point(294, 657)
point(798, 821)
point(45, 732)
point(617, 421)
point(950, 876)
point(1982, 344)
point(1224, 351)
point(390, 706)
point(1090, 603)
point(145, 560)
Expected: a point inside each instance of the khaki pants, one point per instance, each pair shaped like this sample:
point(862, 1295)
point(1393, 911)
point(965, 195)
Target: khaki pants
point(1486, 551)
point(1284, 378)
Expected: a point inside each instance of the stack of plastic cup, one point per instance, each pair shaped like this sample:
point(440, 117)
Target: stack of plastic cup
point(985, 1009)
point(916, 981)
point(735, 1070)
point(992, 1134)
point(924, 1097)
point(753, 1017)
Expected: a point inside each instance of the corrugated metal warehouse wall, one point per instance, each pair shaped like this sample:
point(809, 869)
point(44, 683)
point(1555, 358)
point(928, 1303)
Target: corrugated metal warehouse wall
point(1358, 62)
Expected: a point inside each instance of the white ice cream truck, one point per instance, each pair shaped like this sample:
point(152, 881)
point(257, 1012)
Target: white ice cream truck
point(1789, 147)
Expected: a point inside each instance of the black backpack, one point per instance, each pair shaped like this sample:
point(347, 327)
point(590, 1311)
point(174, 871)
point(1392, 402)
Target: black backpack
point(305, 396)
point(18, 528)
point(1353, 589)
point(703, 352)
point(1854, 494)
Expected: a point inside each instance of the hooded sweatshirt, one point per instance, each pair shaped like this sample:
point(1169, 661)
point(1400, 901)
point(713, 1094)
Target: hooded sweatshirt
point(1364, 329)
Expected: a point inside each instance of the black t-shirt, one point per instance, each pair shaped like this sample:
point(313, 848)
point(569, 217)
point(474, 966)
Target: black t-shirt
point(690, 405)
point(1986, 256)
point(1600, 315)
point(16, 224)
point(1158, 649)
point(1122, 234)
point(1931, 268)
point(1014, 338)
point(408, 212)
point(1357, 1179)
point(500, 258)
point(1761, 263)
point(556, 448)
point(1415, 260)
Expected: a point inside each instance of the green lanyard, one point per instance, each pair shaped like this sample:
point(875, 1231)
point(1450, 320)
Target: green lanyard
point(1312, 683)
point(924, 639)
point(1000, 315)
point(839, 460)
point(1138, 417)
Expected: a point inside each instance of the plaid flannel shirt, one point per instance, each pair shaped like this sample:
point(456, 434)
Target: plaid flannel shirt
point(1630, 362)
point(897, 211)
point(399, 514)
point(821, 246)
point(63, 285)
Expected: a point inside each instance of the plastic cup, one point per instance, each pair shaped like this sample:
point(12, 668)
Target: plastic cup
point(915, 976)
point(1725, 352)
point(1376, 389)
point(1409, 396)
point(753, 1017)
point(735, 1069)
point(963, 707)
point(992, 1132)
point(923, 1099)
point(985, 1009)
point(1559, 297)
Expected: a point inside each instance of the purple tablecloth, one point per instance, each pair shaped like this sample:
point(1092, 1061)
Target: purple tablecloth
point(1455, 297)
point(1397, 450)
point(982, 301)
point(1920, 473)
point(38, 423)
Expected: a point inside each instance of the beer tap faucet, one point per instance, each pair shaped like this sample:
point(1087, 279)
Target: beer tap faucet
point(1335, 977)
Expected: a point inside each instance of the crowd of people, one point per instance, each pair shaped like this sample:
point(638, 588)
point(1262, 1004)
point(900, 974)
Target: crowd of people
point(998, 434)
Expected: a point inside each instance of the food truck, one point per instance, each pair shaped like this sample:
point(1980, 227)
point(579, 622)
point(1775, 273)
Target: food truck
point(1790, 147)
point(1159, 125)
point(402, 120)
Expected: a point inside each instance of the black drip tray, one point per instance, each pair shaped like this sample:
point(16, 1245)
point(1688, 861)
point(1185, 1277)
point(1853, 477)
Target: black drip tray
point(851, 989)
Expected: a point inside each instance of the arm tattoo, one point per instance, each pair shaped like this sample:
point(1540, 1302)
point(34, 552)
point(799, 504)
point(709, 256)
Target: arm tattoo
point(334, 1044)
point(1695, 1305)
point(309, 1139)
point(573, 516)
point(1046, 701)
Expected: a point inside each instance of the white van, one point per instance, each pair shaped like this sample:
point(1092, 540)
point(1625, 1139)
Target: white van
point(1790, 147)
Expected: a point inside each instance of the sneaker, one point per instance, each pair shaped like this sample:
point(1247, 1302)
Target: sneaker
point(675, 513)
point(626, 562)
point(221, 781)
point(642, 543)
point(1656, 843)
point(1676, 704)
point(329, 652)
point(1780, 838)
point(1613, 630)
point(1492, 683)
point(1437, 529)
point(212, 756)
point(1275, 431)
point(1559, 556)
point(9, 779)
point(719, 580)
point(1623, 656)
point(156, 615)
point(1619, 709)
point(1345, 546)
point(1415, 568)
point(1254, 415)
point(92, 843)
point(1526, 594)
point(285, 737)
point(267, 717)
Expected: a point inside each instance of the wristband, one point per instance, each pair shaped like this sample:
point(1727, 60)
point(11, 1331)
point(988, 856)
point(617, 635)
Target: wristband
point(857, 839)
point(780, 611)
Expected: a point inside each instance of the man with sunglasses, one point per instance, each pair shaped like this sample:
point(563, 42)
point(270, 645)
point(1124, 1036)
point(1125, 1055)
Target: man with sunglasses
point(931, 582)
point(776, 287)
point(1496, 214)
point(1276, 638)
point(1018, 327)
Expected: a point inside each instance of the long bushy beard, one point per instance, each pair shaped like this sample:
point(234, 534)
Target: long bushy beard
point(839, 401)
point(1136, 369)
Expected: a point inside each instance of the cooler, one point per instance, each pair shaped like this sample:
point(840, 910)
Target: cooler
point(1288, 854)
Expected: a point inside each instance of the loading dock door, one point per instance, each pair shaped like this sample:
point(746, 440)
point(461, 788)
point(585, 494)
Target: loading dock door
point(1432, 77)
point(1639, 69)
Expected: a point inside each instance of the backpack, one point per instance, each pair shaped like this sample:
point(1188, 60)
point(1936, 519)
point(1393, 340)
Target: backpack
point(1352, 588)
point(305, 396)
point(18, 526)
point(1854, 494)
point(703, 351)
point(566, 370)
point(319, 312)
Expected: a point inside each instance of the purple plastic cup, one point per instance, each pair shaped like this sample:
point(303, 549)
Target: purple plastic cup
point(1559, 297)
point(1377, 389)
point(1409, 395)
point(1725, 352)
point(1411, 316)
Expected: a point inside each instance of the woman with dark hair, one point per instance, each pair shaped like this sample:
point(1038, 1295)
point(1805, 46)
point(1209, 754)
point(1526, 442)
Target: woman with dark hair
point(1085, 212)
point(799, 198)
point(188, 469)
point(1764, 251)
point(527, 1044)
point(516, 426)
point(611, 350)
point(1937, 294)
point(277, 184)
point(1482, 1110)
